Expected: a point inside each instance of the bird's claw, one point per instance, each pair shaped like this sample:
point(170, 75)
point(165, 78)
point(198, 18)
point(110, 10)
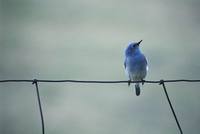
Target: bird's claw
point(143, 81)
point(129, 82)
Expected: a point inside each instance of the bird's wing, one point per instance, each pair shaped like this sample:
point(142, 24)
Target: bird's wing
point(145, 60)
point(125, 63)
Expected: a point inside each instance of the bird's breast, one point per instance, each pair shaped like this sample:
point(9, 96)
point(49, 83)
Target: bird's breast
point(136, 66)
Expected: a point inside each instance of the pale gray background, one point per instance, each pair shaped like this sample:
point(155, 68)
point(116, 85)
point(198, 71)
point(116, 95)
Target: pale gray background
point(85, 40)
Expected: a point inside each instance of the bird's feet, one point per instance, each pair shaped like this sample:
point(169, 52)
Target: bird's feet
point(129, 82)
point(143, 81)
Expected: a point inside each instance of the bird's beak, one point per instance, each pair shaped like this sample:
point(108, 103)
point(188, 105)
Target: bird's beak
point(139, 42)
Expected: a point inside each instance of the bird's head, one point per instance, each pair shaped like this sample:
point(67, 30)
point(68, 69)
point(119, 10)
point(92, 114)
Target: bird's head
point(133, 47)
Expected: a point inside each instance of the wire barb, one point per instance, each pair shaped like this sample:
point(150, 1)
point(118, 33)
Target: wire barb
point(161, 82)
point(35, 81)
point(170, 104)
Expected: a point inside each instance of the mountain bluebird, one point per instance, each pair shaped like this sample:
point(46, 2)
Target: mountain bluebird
point(135, 65)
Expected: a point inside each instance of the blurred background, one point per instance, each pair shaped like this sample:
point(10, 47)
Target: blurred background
point(85, 40)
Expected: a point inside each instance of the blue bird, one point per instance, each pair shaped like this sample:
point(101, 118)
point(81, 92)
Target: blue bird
point(135, 64)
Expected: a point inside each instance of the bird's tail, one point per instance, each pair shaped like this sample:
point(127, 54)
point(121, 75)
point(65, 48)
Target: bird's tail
point(137, 89)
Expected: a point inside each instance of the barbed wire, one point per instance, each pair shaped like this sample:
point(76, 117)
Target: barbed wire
point(39, 103)
point(170, 104)
point(102, 81)
point(160, 82)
